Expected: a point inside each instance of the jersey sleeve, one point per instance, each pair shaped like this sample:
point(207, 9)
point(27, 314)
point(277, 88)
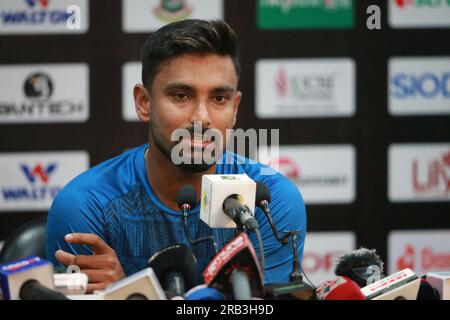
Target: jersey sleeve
point(72, 211)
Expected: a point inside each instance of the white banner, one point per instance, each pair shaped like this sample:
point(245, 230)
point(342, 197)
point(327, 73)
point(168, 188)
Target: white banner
point(39, 93)
point(419, 86)
point(420, 250)
point(131, 75)
point(419, 172)
point(323, 173)
point(295, 88)
point(44, 16)
point(321, 251)
point(30, 181)
point(150, 15)
point(419, 14)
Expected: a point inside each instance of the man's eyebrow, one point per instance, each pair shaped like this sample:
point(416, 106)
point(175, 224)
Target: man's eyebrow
point(224, 89)
point(177, 86)
point(184, 87)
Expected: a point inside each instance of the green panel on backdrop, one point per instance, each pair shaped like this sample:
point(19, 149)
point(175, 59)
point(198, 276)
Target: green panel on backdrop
point(305, 14)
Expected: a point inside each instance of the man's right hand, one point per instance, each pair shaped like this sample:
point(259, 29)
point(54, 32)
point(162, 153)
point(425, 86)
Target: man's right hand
point(102, 268)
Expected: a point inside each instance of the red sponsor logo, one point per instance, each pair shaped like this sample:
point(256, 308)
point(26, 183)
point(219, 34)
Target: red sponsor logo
point(426, 258)
point(437, 175)
point(404, 3)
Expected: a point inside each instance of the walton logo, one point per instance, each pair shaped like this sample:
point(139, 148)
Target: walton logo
point(438, 174)
point(33, 3)
point(38, 172)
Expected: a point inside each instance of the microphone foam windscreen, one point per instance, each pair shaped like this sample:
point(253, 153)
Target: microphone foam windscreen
point(179, 258)
point(187, 195)
point(262, 193)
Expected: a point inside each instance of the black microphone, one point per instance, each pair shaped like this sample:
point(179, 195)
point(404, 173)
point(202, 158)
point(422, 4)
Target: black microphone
point(176, 269)
point(239, 213)
point(262, 200)
point(360, 266)
point(33, 290)
point(426, 291)
point(186, 200)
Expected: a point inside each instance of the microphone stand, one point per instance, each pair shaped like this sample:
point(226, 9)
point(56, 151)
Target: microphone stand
point(186, 209)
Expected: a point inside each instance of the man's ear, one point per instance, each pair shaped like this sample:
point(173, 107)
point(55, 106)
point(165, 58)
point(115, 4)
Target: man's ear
point(237, 101)
point(142, 102)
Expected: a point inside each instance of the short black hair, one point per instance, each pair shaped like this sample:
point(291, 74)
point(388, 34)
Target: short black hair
point(187, 36)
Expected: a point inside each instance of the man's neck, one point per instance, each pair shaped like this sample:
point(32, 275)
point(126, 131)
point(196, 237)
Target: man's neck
point(166, 178)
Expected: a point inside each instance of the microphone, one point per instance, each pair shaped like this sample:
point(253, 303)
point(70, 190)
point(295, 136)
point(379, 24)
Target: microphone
point(402, 285)
point(28, 279)
point(186, 200)
point(441, 282)
point(233, 194)
point(262, 200)
point(235, 270)
point(175, 267)
point(142, 285)
point(234, 208)
point(202, 292)
point(363, 266)
point(340, 288)
point(71, 283)
point(426, 291)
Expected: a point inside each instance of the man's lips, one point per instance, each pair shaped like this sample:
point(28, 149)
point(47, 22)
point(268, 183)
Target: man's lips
point(198, 142)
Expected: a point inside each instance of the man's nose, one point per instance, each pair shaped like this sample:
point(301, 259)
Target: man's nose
point(201, 114)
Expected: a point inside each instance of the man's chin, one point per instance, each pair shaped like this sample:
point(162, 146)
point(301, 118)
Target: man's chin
point(195, 168)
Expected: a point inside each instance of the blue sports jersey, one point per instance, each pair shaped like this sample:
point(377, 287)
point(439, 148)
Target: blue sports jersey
point(116, 201)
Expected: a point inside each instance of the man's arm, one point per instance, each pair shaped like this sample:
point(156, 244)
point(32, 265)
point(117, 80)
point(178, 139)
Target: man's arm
point(75, 237)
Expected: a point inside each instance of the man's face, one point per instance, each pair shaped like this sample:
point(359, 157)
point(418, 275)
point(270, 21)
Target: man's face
point(190, 90)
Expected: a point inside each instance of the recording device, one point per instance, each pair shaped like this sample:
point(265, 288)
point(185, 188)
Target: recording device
point(340, 288)
point(28, 279)
point(235, 270)
point(233, 194)
point(175, 267)
point(142, 285)
point(186, 200)
point(402, 285)
point(70, 283)
point(441, 282)
point(361, 266)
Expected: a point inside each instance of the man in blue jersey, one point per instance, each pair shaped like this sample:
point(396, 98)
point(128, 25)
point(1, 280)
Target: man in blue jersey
point(112, 218)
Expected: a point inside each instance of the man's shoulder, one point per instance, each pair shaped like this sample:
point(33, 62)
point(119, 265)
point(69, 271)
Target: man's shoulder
point(104, 181)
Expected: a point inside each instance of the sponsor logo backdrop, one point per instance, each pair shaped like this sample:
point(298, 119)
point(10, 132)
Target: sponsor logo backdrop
point(363, 115)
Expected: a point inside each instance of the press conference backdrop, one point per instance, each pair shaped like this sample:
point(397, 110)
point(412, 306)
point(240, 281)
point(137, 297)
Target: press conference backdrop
point(364, 115)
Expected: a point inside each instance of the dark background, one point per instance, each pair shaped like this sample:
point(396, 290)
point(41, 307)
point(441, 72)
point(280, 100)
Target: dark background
point(105, 47)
